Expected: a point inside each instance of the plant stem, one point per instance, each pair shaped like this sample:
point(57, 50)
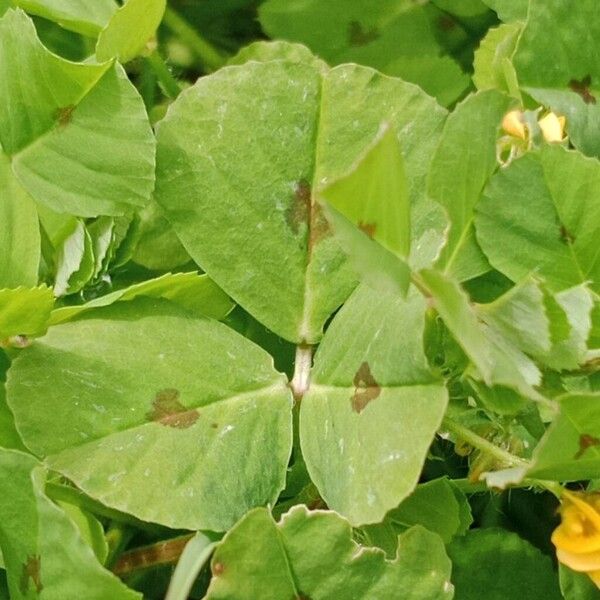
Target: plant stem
point(210, 57)
point(167, 81)
point(482, 444)
point(302, 365)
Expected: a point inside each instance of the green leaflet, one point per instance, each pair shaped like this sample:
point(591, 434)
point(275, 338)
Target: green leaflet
point(129, 29)
point(256, 178)
point(372, 408)
point(9, 437)
point(19, 232)
point(263, 560)
point(196, 293)
point(75, 263)
point(529, 219)
point(205, 397)
point(82, 16)
point(24, 311)
point(492, 65)
point(396, 37)
point(82, 143)
point(570, 449)
point(498, 564)
point(565, 75)
point(44, 552)
point(462, 165)
point(263, 51)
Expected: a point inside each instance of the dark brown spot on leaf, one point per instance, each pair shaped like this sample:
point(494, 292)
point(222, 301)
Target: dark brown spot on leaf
point(565, 236)
point(368, 228)
point(167, 410)
point(298, 212)
point(583, 89)
point(31, 572)
point(366, 388)
point(65, 114)
point(586, 441)
point(359, 36)
point(218, 568)
point(319, 226)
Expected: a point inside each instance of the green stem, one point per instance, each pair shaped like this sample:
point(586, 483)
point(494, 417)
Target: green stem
point(210, 57)
point(163, 74)
point(482, 444)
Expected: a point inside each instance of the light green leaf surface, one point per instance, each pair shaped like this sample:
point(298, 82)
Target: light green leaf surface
point(263, 51)
point(570, 450)
point(25, 311)
point(256, 177)
point(497, 564)
point(529, 219)
point(396, 37)
point(81, 143)
point(462, 165)
point(9, 437)
point(129, 29)
point(196, 293)
point(81, 16)
point(19, 231)
point(263, 560)
point(75, 262)
point(556, 64)
point(152, 412)
point(372, 408)
point(493, 68)
point(43, 550)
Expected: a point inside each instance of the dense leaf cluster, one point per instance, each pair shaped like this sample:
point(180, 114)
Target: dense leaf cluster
point(320, 311)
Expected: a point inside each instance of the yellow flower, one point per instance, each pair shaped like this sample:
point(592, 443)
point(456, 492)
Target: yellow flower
point(513, 124)
point(577, 538)
point(553, 127)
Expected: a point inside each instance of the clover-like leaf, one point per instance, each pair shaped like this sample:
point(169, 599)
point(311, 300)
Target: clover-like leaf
point(260, 559)
point(373, 406)
point(81, 143)
point(152, 412)
point(44, 553)
point(245, 151)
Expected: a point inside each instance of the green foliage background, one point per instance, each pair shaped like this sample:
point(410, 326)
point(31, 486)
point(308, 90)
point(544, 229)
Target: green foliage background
point(284, 311)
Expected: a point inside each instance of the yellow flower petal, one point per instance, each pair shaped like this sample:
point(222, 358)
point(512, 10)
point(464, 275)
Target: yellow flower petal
point(512, 123)
point(552, 127)
point(583, 563)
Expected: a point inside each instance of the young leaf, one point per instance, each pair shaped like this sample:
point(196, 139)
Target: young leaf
point(462, 164)
point(82, 143)
point(43, 550)
point(24, 311)
point(372, 408)
point(529, 219)
point(564, 76)
point(196, 293)
point(570, 450)
point(498, 564)
point(129, 29)
point(263, 560)
point(176, 432)
point(80, 16)
point(256, 178)
point(19, 232)
point(74, 261)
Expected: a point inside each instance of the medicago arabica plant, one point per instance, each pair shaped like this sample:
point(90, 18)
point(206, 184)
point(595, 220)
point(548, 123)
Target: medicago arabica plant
point(299, 299)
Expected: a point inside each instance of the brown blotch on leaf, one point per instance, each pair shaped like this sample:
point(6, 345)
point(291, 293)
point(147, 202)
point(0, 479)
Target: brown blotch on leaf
point(298, 213)
point(368, 228)
point(167, 410)
point(218, 568)
point(359, 36)
point(319, 225)
point(565, 236)
point(65, 114)
point(582, 88)
point(366, 388)
point(586, 441)
point(446, 23)
point(31, 572)
point(214, 425)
